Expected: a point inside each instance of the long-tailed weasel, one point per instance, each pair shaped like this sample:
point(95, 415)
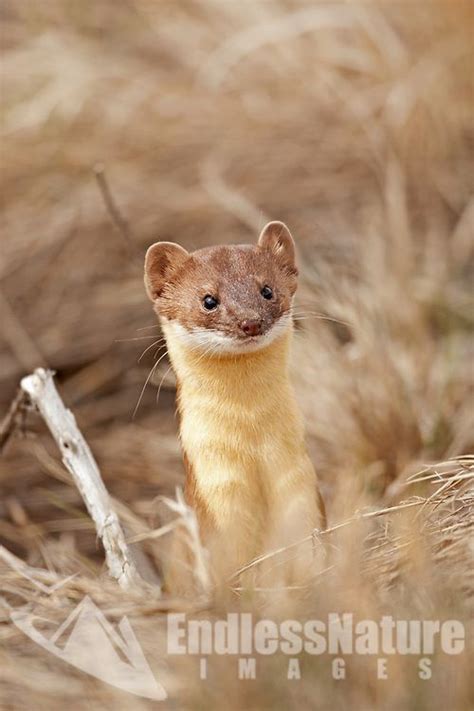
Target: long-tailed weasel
point(226, 315)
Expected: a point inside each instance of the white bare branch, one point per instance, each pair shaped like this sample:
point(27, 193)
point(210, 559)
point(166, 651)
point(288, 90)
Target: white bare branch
point(80, 461)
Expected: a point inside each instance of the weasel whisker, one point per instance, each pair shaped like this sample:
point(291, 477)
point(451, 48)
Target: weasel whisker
point(299, 316)
point(146, 383)
point(136, 338)
point(161, 383)
point(150, 347)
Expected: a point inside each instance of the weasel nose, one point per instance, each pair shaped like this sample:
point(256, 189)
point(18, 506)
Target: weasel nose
point(252, 327)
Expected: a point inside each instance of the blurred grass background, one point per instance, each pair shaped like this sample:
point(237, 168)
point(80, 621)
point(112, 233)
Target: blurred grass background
point(353, 123)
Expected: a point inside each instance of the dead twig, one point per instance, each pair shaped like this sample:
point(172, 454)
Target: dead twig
point(34, 575)
point(21, 344)
point(10, 422)
point(188, 518)
point(116, 216)
point(80, 462)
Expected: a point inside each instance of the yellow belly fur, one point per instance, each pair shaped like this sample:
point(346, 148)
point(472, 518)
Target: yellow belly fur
point(243, 437)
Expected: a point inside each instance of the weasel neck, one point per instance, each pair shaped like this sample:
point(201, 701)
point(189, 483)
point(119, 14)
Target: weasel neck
point(233, 379)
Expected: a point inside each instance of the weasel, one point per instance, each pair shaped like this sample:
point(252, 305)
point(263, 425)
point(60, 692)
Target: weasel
point(225, 312)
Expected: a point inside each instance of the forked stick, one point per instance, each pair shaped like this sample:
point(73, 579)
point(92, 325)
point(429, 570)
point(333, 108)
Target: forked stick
point(80, 461)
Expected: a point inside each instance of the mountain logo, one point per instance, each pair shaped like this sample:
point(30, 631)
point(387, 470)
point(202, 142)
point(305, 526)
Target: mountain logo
point(88, 641)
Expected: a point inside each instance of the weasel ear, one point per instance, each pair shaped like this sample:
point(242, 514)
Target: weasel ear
point(161, 261)
point(276, 238)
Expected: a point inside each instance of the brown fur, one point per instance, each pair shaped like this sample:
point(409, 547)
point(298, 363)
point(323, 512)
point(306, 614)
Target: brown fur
point(177, 281)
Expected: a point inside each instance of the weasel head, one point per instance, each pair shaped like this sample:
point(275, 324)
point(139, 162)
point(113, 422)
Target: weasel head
point(228, 299)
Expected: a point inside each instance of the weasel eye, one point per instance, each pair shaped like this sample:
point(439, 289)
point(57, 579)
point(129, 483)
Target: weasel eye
point(266, 292)
point(209, 302)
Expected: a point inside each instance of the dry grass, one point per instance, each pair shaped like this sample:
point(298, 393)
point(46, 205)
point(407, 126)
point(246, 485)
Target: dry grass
point(351, 122)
